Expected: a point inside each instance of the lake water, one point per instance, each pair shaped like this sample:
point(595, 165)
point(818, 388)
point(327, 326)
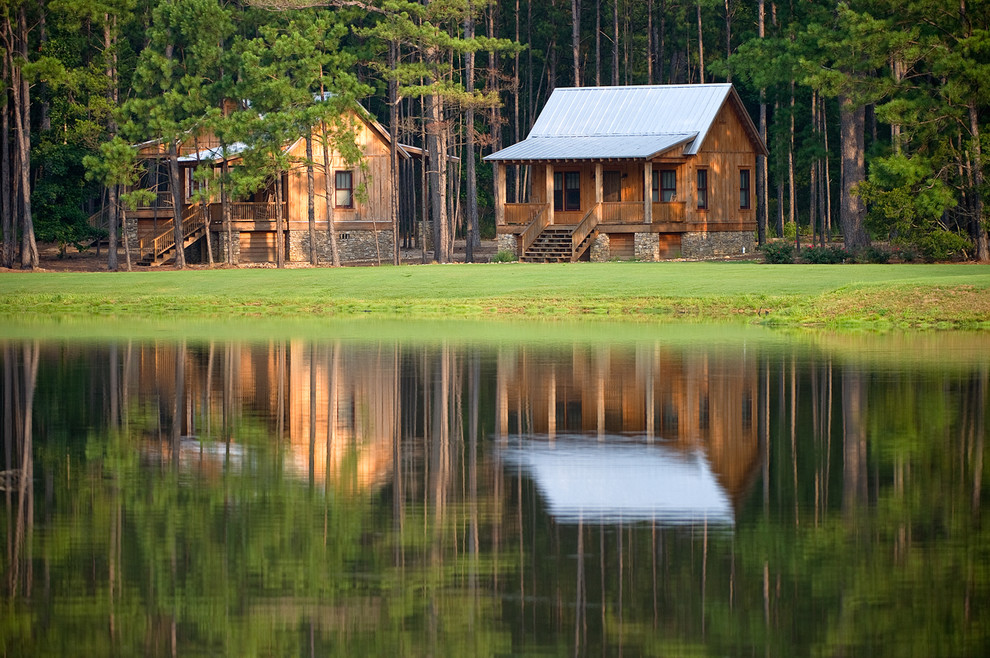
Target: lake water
point(670, 492)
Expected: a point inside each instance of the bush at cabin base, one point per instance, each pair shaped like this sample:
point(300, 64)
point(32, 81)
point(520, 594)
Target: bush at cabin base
point(778, 253)
point(504, 257)
point(824, 255)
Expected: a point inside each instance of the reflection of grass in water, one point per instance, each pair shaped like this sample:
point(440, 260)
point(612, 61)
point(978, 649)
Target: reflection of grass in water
point(893, 295)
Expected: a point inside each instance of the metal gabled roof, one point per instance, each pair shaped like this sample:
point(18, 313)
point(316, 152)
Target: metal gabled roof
point(605, 121)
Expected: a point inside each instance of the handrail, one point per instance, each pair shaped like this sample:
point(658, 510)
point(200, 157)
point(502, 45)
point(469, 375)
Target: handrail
point(193, 220)
point(588, 224)
point(528, 237)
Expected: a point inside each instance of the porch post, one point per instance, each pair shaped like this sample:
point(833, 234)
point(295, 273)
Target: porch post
point(548, 181)
point(648, 192)
point(599, 183)
point(499, 193)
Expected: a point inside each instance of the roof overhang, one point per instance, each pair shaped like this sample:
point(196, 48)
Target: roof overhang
point(591, 148)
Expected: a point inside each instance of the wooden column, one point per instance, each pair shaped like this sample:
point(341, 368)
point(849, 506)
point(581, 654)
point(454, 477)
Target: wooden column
point(599, 184)
point(499, 193)
point(648, 192)
point(548, 181)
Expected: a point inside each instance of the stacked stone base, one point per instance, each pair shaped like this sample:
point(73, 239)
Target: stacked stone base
point(649, 247)
point(353, 246)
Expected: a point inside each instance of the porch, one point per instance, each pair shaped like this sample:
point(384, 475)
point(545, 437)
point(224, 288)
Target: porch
point(573, 203)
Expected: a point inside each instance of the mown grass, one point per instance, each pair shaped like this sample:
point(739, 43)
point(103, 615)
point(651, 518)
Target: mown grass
point(869, 296)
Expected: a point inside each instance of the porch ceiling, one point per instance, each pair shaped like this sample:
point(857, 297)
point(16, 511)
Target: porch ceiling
point(599, 147)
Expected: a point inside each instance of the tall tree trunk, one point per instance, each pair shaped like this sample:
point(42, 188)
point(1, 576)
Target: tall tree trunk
point(328, 188)
point(979, 225)
point(576, 39)
point(279, 223)
point(852, 118)
point(701, 48)
point(225, 209)
point(728, 40)
point(436, 147)
point(393, 149)
point(828, 175)
point(792, 197)
point(6, 180)
point(598, 42)
point(615, 43)
point(761, 160)
point(175, 182)
point(662, 48)
point(22, 121)
point(110, 47)
point(311, 198)
point(472, 179)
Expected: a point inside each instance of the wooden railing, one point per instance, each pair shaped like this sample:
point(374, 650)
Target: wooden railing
point(528, 237)
point(668, 212)
point(99, 219)
point(622, 212)
point(588, 224)
point(247, 212)
point(522, 213)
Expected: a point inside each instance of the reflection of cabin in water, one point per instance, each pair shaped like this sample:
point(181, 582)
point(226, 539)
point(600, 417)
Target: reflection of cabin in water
point(642, 172)
point(647, 394)
point(278, 389)
point(361, 199)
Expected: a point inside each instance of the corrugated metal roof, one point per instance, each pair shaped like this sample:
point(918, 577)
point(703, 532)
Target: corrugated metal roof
point(597, 147)
point(609, 119)
point(214, 154)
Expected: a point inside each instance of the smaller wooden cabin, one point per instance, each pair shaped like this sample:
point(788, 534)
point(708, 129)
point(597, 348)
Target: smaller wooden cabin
point(644, 172)
point(360, 202)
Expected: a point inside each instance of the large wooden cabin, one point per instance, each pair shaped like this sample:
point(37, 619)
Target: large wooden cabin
point(360, 200)
point(645, 172)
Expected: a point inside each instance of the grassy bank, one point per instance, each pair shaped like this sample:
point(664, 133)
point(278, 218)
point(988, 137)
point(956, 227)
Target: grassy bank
point(870, 296)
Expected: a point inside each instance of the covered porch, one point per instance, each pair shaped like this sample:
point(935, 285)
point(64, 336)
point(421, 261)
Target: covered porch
point(585, 198)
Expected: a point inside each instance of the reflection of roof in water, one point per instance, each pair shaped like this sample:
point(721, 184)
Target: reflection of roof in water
point(614, 480)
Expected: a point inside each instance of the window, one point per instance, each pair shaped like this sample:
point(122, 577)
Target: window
point(664, 185)
point(744, 189)
point(566, 190)
point(702, 189)
point(668, 185)
point(344, 189)
point(192, 185)
point(612, 186)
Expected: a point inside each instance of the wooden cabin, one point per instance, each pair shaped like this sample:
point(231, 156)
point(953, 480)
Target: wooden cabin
point(361, 202)
point(644, 172)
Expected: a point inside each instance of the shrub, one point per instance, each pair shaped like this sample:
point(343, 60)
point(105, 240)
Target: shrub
point(824, 255)
point(877, 255)
point(942, 245)
point(906, 253)
point(504, 256)
point(778, 253)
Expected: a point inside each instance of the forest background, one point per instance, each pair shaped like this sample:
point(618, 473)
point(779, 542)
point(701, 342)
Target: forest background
point(874, 111)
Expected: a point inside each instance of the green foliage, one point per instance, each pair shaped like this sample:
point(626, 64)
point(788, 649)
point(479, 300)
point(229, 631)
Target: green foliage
point(941, 245)
point(60, 193)
point(873, 254)
point(778, 253)
point(504, 256)
point(904, 196)
point(824, 255)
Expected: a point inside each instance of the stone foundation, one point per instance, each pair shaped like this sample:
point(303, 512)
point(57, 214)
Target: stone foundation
point(354, 246)
point(646, 247)
point(601, 248)
point(508, 242)
point(220, 247)
point(722, 243)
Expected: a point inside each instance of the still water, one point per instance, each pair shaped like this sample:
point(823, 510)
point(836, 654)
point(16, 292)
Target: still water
point(766, 495)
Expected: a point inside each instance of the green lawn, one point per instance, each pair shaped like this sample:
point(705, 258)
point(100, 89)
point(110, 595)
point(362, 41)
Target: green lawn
point(831, 295)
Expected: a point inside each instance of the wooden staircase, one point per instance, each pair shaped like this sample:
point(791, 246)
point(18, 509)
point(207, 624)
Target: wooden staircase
point(161, 249)
point(553, 245)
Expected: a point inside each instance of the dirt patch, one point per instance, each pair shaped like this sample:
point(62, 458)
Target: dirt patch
point(51, 259)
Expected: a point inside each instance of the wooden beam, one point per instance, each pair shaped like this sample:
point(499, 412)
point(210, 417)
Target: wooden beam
point(648, 192)
point(499, 194)
point(549, 191)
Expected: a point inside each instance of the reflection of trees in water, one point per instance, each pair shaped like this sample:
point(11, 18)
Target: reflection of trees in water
point(864, 530)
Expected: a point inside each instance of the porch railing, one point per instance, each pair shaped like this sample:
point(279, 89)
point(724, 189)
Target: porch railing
point(622, 212)
point(668, 212)
point(522, 213)
point(528, 237)
point(584, 229)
